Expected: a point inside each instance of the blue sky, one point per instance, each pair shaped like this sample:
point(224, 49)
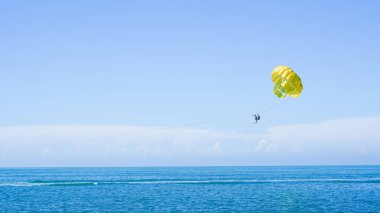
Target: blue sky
point(70, 66)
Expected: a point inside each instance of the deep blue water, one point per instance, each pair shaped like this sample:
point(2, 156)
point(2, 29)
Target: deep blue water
point(209, 189)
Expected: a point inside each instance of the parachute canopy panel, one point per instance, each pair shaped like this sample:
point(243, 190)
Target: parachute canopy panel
point(286, 82)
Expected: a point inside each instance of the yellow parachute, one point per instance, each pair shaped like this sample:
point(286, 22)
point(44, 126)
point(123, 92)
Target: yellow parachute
point(286, 82)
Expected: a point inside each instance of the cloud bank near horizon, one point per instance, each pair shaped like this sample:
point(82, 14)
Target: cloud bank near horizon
point(345, 141)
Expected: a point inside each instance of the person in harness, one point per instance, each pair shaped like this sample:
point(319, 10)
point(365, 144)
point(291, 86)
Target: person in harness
point(256, 117)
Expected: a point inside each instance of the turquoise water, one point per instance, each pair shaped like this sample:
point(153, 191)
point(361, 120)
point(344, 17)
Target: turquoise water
point(209, 189)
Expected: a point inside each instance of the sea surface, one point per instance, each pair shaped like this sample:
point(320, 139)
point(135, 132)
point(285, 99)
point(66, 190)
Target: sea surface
point(195, 189)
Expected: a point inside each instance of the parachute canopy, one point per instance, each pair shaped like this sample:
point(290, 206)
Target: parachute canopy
point(286, 82)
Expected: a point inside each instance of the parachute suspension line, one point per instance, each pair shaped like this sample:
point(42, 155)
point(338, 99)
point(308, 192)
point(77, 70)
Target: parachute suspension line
point(264, 103)
point(275, 106)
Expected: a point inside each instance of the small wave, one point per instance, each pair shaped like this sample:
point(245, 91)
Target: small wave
point(232, 181)
point(58, 183)
point(364, 180)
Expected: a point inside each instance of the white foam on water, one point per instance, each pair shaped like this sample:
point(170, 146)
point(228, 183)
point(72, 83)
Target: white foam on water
point(227, 181)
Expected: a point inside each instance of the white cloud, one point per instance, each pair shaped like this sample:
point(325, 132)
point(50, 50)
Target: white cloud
point(347, 141)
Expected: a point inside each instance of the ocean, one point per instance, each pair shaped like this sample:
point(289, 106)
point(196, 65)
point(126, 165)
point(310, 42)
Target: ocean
point(194, 189)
